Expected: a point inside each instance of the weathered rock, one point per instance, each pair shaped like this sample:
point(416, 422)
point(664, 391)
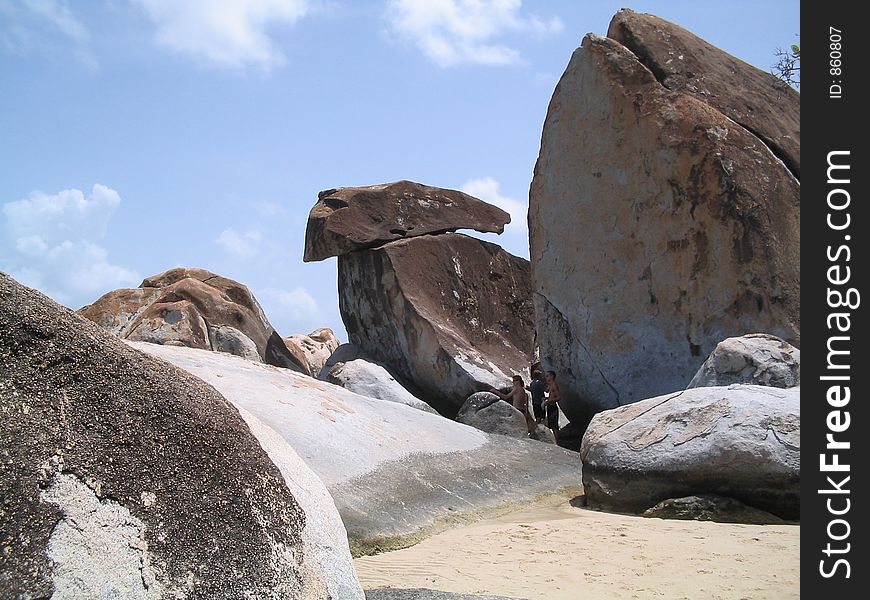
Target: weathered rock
point(316, 348)
point(683, 62)
point(123, 476)
point(571, 435)
point(542, 433)
point(658, 227)
point(353, 218)
point(349, 368)
point(756, 358)
point(708, 507)
point(459, 325)
point(424, 594)
point(489, 413)
point(194, 308)
point(741, 441)
point(396, 474)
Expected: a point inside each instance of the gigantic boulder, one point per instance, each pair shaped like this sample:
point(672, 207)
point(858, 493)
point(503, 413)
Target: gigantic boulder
point(194, 308)
point(316, 348)
point(681, 61)
point(461, 324)
point(740, 442)
point(755, 358)
point(351, 369)
point(122, 476)
point(488, 412)
point(396, 473)
point(690, 233)
point(354, 218)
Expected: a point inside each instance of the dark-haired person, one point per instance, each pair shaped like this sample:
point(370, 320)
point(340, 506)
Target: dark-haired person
point(551, 403)
point(518, 398)
point(537, 388)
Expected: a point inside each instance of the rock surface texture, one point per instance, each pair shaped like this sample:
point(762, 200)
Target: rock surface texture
point(354, 218)
point(658, 227)
point(740, 442)
point(683, 62)
point(449, 314)
point(122, 476)
point(316, 348)
point(194, 308)
point(396, 473)
point(707, 507)
point(755, 358)
point(349, 368)
point(488, 412)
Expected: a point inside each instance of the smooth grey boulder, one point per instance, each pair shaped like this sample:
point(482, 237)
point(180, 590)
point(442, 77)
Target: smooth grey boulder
point(709, 507)
point(740, 441)
point(122, 476)
point(489, 413)
point(756, 358)
point(397, 474)
point(542, 433)
point(658, 226)
point(349, 368)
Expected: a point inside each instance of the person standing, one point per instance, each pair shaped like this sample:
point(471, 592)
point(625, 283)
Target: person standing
point(518, 398)
point(537, 388)
point(552, 402)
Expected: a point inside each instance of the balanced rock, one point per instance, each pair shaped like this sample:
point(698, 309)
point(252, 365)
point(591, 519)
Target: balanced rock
point(354, 218)
point(741, 442)
point(449, 314)
point(681, 61)
point(349, 368)
point(488, 412)
point(755, 358)
point(658, 227)
point(397, 474)
point(122, 476)
point(316, 348)
point(194, 308)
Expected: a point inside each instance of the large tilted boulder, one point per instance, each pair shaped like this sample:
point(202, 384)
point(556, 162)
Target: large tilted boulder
point(122, 476)
point(354, 218)
point(755, 358)
point(316, 348)
point(397, 474)
point(658, 227)
point(488, 412)
point(449, 314)
point(194, 308)
point(350, 368)
point(681, 61)
point(740, 442)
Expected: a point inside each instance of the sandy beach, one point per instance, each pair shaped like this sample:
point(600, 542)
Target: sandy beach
point(560, 551)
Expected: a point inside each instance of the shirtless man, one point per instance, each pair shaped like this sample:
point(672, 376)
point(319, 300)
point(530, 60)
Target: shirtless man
point(518, 398)
point(553, 397)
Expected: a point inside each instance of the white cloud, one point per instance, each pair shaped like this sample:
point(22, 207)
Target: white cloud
point(227, 33)
point(294, 306)
point(59, 16)
point(451, 32)
point(240, 245)
point(487, 189)
point(50, 244)
point(34, 25)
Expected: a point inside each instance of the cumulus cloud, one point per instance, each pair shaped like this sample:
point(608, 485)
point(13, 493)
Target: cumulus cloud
point(226, 33)
point(50, 244)
point(488, 190)
point(240, 245)
point(292, 306)
point(452, 32)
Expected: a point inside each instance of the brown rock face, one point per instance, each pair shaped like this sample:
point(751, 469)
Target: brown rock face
point(194, 308)
point(123, 476)
point(354, 218)
point(312, 350)
point(658, 227)
point(683, 62)
point(449, 314)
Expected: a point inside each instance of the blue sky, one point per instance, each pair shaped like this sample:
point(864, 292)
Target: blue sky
point(140, 135)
